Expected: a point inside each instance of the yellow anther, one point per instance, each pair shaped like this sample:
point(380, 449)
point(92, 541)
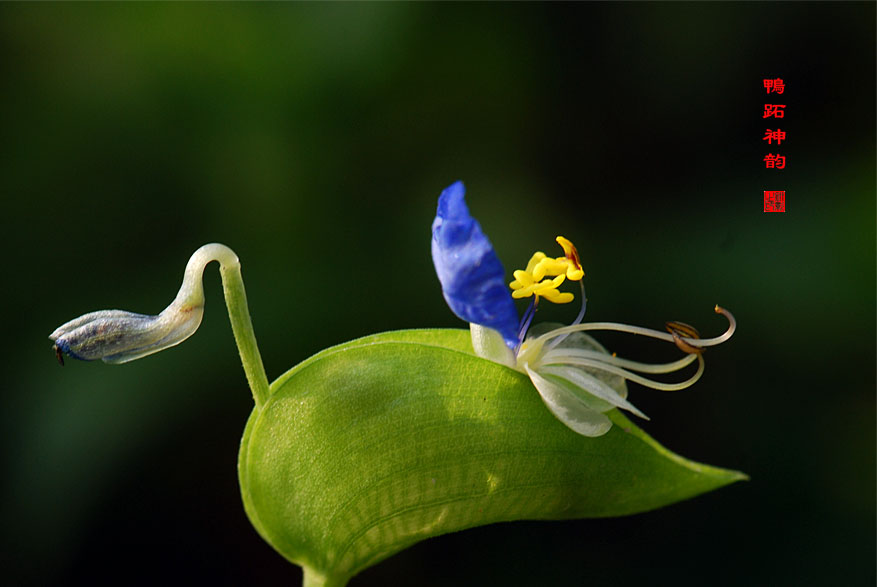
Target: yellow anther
point(522, 293)
point(547, 288)
point(574, 271)
point(550, 267)
point(558, 297)
point(532, 280)
point(522, 279)
point(534, 260)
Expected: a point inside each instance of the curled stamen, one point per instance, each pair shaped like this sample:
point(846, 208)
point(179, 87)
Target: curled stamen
point(615, 326)
point(584, 366)
point(606, 367)
point(680, 329)
point(732, 326)
point(567, 354)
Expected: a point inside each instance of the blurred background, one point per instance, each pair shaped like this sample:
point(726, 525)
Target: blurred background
point(314, 140)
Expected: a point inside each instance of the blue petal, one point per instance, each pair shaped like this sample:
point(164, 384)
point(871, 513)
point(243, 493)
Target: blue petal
point(472, 277)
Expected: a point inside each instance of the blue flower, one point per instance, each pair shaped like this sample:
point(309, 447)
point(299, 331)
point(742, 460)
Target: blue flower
point(472, 277)
point(578, 380)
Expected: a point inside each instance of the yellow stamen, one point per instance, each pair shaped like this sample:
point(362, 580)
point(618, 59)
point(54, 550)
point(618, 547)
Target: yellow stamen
point(550, 267)
point(557, 297)
point(547, 288)
point(522, 279)
point(534, 260)
point(574, 271)
point(531, 281)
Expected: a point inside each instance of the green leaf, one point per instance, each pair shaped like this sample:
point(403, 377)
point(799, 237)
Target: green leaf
point(371, 446)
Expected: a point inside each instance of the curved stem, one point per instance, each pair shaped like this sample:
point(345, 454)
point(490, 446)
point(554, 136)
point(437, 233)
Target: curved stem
point(192, 293)
point(116, 336)
point(242, 328)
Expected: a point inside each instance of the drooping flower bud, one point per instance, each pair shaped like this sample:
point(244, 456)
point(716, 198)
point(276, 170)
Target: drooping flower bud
point(117, 336)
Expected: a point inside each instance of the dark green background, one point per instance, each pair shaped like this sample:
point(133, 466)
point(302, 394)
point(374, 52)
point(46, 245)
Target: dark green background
point(314, 139)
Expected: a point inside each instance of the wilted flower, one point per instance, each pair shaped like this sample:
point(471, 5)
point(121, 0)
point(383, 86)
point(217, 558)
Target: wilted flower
point(117, 336)
point(577, 378)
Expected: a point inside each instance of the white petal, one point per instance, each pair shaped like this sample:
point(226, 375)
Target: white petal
point(579, 341)
point(569, 408)
point(590, 400)
point(489, 344)
point(590, 384)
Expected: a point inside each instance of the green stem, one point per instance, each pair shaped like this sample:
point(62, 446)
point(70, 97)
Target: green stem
point(116, 336)
point(312, 578)
point(244, 336)
point(191, 295)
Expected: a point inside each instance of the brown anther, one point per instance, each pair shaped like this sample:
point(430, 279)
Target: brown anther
point(570, 252)
point(681, 329)
point(574, 256)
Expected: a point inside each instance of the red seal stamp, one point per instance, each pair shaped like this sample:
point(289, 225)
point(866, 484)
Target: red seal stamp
point(775, 201)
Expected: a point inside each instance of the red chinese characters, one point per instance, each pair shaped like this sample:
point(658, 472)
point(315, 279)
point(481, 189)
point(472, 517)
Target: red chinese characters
point(773, 110)
point(774, 85)
point(774, 200)
point(772, 161)
point(774, 135)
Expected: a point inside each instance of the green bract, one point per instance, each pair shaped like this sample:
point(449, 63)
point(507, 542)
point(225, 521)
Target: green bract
point(371, 446)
